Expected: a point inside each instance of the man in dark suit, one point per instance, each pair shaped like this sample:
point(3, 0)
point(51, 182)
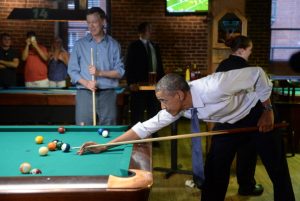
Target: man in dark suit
point(143, 57)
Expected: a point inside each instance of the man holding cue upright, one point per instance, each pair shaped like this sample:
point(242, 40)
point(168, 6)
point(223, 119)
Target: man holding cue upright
point(236, 96)
point(107, 68)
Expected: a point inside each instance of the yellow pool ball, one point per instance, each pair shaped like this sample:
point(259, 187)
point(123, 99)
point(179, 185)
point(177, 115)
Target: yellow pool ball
point(39, 139)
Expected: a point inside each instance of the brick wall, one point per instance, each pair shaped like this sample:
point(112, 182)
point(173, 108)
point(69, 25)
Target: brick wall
point(19, 28)
point(258, 14)
point(183, 40)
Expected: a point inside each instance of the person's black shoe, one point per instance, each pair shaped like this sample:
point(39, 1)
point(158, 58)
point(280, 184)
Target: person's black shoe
point(198, 182)
point(257, 189)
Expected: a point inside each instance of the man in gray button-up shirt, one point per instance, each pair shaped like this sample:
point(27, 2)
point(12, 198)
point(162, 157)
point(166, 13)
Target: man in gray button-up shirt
point(98, 55)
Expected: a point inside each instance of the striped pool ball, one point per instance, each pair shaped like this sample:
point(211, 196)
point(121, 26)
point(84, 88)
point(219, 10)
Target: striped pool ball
point(65, 147)
point(25, 168)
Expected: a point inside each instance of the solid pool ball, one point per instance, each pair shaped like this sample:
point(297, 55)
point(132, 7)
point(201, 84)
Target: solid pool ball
point(65, 147)
point(35, 171)
point(61, 130)
point(100, 130)
point(105, 133)
point(43, 151)
point(39, 139)
point(52, 146)
point(25, 168)
point(59, 144)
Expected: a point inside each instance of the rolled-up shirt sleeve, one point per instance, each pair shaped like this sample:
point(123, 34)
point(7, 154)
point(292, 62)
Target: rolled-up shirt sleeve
point(234, 81)
point(160, 120)
point(74, 66)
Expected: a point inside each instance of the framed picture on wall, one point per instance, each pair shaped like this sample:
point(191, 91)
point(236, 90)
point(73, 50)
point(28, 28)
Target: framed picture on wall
point(227, 25)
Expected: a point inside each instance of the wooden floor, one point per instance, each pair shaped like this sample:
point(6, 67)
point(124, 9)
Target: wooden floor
point(174, 189)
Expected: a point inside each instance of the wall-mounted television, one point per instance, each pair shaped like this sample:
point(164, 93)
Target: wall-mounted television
point(187, 7)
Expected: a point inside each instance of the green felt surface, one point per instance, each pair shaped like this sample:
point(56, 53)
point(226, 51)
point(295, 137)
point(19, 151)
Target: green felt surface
point(18, 146)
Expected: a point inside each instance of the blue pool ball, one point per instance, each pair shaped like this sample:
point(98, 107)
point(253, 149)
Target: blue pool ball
point(65, 147)
point(100, 131)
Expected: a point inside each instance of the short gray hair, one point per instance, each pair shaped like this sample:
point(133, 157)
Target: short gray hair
point(172, 82)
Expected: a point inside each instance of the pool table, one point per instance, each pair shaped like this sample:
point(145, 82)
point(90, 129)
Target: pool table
point(121, 173)
point(29, 106)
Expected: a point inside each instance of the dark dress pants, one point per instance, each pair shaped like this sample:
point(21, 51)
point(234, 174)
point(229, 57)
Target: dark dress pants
point(140, 102)
point(223, 148)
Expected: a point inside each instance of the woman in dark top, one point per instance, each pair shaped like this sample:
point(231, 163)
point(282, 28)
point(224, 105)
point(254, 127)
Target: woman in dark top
point(241, 47)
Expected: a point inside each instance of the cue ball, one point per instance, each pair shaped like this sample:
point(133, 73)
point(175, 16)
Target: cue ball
point(25, 168)
point(61, 130)
point(39, 139)
point(43, 151)
point(65, 147)
point(105, 133)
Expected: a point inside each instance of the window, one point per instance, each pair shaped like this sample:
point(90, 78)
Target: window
point(285, 29)
point(77, 30)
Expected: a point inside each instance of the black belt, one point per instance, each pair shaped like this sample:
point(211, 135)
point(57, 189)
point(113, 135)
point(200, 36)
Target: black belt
point(97, 90)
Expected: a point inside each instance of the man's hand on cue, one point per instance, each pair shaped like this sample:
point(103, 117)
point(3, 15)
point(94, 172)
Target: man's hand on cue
point(266, 121)
point(85, 148)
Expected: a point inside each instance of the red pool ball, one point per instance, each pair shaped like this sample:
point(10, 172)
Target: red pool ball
point(61, 130)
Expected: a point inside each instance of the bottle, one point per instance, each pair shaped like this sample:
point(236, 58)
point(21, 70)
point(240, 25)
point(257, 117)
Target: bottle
point(187, 74)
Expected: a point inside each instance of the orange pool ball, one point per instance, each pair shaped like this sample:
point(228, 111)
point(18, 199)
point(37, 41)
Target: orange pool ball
point(52, 146)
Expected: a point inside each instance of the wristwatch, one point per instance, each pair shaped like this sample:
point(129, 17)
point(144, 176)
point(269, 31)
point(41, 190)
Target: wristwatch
point(268, 107)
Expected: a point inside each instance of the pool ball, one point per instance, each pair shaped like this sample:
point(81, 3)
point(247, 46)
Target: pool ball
point(61, 130)
point(100, 130)
point(52, 146)
point(65, 147)
point(39, 139)
point(25, 168)
point(55, 141)
point(35, 171)
point(59, 144)
point(105, 133)
point(43, 151)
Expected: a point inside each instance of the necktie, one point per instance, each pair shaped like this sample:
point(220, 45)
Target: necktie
point(149, 56)
point(197, 157)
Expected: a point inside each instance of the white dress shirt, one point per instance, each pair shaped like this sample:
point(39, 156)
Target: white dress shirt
point(219, 97)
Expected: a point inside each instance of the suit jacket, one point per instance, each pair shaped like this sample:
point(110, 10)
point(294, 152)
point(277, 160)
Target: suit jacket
point(136, 63)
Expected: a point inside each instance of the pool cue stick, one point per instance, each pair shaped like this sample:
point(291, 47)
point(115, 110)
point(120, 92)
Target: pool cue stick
point(183, 136)
point(93, 93)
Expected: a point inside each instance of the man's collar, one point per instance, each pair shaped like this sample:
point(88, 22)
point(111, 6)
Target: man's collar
point(90, 37)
